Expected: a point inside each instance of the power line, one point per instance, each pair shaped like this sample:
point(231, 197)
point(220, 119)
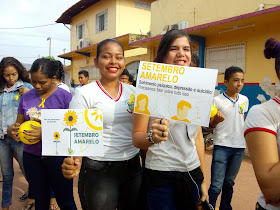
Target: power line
point(17, 56)
point(32, 35)
point(22, 34)
point(11, 45)
point(30, 26)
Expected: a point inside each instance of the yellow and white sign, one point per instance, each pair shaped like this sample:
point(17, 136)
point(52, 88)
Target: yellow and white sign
point(175, 92)
point(72, 132)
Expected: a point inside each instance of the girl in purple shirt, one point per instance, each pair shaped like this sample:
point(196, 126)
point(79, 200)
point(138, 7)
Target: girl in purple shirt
point(43, 171)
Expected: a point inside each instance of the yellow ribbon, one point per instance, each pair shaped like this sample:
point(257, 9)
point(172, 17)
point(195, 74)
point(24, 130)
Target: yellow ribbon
point(42, 103)
point(17, 96)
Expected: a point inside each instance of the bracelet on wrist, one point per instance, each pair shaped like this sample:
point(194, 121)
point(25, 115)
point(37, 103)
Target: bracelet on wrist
point(150, 137)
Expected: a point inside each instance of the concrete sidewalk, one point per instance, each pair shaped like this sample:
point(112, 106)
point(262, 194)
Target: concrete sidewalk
point(246, 189)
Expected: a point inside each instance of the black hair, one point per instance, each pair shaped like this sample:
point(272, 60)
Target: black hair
point(272, 50)
point(195, 60)
point(125, 72)
point(60, 73)
point(104, 42)
point(131, 78)
point(134, 83)
point(11, 61)
point(48, 67)
point(232, 70)
point(84, 72)
point(166, 42)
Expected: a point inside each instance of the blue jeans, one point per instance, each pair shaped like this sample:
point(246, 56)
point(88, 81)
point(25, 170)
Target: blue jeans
point(8, 147)
point(163, 198)
point(225, 166)
point(43, 172)
point(110, 185)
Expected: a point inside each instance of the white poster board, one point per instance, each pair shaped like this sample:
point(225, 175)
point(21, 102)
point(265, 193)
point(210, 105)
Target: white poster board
point(175, 92)
point(72, 132)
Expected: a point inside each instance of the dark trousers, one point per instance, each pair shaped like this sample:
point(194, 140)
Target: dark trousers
point(110, 185)
point(43, 172)
point(172, 190)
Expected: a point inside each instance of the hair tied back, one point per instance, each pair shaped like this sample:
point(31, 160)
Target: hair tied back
point(271, 48)
point(276, 50)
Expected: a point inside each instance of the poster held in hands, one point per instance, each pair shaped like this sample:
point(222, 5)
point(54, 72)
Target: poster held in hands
point(175, 92)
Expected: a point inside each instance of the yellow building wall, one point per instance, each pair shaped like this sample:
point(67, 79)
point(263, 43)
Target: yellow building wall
point(197, 12)
point(130, 19)
point(88, 16)
point(257, 67)
point(143, 57)
point(80, 61)
point(135, 52)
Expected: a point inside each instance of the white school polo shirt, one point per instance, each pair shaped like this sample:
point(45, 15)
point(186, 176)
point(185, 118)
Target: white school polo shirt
point(177, 153)
point(229, 133)
point(117, 118)
point(265, 117)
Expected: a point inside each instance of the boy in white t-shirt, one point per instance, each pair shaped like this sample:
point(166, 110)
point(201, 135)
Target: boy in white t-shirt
point(229, 142)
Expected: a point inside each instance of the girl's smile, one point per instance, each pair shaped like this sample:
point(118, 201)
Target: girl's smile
point(179, 52)
point(110, 61)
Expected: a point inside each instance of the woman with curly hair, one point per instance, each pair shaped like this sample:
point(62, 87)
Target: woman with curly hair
point(14, 81)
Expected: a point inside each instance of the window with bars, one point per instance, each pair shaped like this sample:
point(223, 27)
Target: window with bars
point(80, 31)
point(101, 21)
point(133, 68)
point(93, 72)
point(222, 57)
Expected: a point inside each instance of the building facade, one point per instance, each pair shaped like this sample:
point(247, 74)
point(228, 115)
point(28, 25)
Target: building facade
point(95, 20)
point(225, 33)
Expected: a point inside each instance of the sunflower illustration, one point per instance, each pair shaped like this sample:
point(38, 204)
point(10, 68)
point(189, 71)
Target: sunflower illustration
point(70, 118)
point(56, 135)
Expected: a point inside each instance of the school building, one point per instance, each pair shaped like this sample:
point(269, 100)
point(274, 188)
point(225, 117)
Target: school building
point(225, 33)
point(95, 20)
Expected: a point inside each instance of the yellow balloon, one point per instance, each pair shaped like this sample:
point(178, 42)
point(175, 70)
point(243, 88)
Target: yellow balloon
point(213, 111)
point(26, 126)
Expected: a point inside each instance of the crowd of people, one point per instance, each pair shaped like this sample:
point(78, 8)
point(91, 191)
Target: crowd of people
point(148, 163)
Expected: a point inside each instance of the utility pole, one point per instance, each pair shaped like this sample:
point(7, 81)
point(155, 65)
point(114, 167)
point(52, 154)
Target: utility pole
point(194, 12)
point(49, 39)
point(64, 53)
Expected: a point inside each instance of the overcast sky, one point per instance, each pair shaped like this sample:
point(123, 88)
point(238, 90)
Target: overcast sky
point(28, 44)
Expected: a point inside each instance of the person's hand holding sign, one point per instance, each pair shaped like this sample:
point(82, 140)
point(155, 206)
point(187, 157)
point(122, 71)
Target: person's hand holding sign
point(159, 130)
point(157, 133)
point(71, 167)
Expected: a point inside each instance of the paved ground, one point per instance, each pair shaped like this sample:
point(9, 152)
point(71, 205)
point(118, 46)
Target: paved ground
point(246, 189)
point(20, 186)
point(245, 192)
